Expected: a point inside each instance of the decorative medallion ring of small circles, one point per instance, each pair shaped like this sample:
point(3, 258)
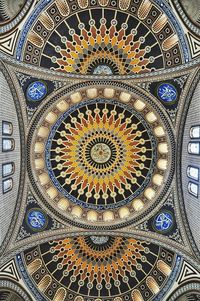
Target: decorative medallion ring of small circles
point(102, 155)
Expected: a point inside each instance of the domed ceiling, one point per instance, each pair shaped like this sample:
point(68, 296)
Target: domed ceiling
point(99, 267)
point(94, 37)
point(101, 153)
point(100, 150)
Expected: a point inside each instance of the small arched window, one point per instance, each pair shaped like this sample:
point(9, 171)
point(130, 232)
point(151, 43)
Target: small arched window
point(7, 185)
point(194, 148)
point(195, 132)
point(7, 169)
point(7, 128)
point(8, 144)
point(193, 173)
point(193, 189)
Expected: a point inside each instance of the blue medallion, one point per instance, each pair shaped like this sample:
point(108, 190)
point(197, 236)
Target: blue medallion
point(167, 92)
point(36, 91)
point(36, 219)
point(163, 221)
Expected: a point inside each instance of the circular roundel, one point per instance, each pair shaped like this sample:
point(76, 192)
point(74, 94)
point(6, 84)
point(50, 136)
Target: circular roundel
point(163, 221)
point(36, 219)
point(167, 93)
point(101, 155)
point(36, 91)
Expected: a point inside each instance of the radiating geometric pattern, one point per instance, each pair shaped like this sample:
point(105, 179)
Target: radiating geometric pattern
point(101, 154)
point(113, 44)
point(99, 268)
point(102, 38)
point(99, 216)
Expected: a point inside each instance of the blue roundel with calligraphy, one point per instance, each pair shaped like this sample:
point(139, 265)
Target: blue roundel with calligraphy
point(163, 221)
point(167, 93)
point(36, 91)
point(36, 219)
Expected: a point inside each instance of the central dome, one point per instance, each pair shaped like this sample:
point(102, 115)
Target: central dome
point(101, 154)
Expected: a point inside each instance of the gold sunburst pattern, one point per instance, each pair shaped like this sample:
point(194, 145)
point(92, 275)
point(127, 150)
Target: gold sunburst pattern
point(120, 52)
point(114, 37)
point(99, 267)
point(101, 155)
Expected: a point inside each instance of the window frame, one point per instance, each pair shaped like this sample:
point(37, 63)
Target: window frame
point(7, 179)
point(190, 177)
point(193, 142)
point(191, 131)
point(10, 123)
point(8, 150)
point(13, 169)
point(190, 192)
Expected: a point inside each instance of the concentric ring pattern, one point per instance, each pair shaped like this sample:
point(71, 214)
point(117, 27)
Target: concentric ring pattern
point(101, 155)
point(95, 268)
point(102, 37)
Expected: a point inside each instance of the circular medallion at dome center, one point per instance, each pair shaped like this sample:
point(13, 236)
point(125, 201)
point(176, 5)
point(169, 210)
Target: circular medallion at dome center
point(100, 154)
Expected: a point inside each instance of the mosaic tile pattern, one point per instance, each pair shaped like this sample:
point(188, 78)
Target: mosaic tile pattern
point(103, 38)
point(101, 155)
point(98, 268)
